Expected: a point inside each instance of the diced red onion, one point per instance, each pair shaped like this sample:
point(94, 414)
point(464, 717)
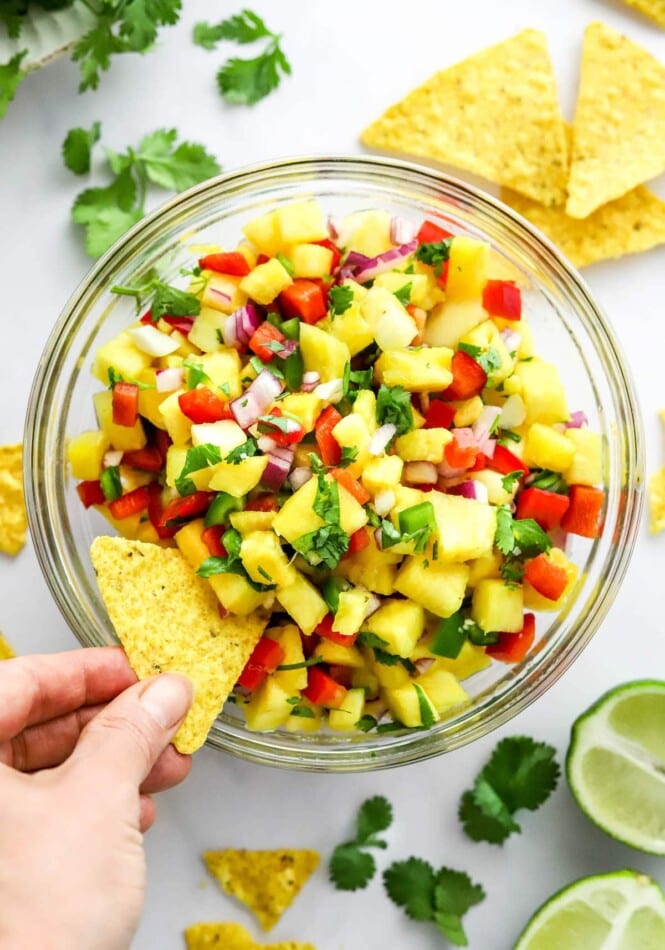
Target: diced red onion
point(266, 444)
point(255, 400)
point(378, 539)
point(423, 664)
point(465, 437)
point(511, 338)
point(373, 604)
point(112, 458)
point(485, 422)
point(167, 380)
point(310, 381)
point(383, 502)
point(380, 438)
point(448, 471)
point(385, 262)
point(402, 230)
point(488, 447)
point(299, 476)
point(474, 490)
point(284, 452)
point(241, 325)
point(152, 341)
point(332, 391)
point(420, 473)
point(276, 471)
point(288, 349)
point(577, 420)
point(269, 447)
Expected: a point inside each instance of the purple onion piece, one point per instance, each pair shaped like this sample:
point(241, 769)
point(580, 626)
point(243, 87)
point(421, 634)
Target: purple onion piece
point(385, 262)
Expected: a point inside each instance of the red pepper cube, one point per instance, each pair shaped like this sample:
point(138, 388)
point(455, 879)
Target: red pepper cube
point(322, 689)
point(547, 578)
point(584, 514)
point(263, 503)
point(131, 503)
point(325, 630)
point(203, 405)
point(212, 538)
point(304, 299)
point(469, 378)
point(506, 462)
point(547, 508)
point(331, 451)
point(230, 262)
point(344, 478)
point(503, 298)
point(90, 493)
point(125, 402)
point(513, 647)
point(431, 233)
point(261, 339)
point(439, 415)
point(155, 511)
point(147, 459)
point(184, 509)
point(458, 456)
point(266, 657)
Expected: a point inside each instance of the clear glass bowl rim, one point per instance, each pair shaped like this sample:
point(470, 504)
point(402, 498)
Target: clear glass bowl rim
point(534, 678)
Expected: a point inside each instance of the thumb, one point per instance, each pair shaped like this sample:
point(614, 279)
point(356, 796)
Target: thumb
point(127, 738)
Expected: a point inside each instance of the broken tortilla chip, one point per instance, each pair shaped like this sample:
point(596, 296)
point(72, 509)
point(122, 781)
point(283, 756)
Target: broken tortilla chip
point(266, 881)
point(496, 114)
point(656, 493)
point(232, 936)
point(619, 127)
point(13, 518)
point(628, 225)
point(654, 9)
point(6, 652)
point(167, 619)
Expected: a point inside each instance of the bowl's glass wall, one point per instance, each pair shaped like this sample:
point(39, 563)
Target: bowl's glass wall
point(568, 331)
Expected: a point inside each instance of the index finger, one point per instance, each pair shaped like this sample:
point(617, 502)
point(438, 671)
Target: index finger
point(35, 689)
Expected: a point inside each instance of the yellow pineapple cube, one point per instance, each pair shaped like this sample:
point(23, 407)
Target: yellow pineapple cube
point(542, 391)
point(587, 465)
point(236, 595)
point(345, 717)
point(367, 232)
point(206, 332)
point(400, 623)
point(247, 521)
point(125, 438)
point(449, 321)
point(225, 434)
point(351, 611)
point(396, 281)
point(493, 482)
point(350, 327)
point(468, 411)
point(176, 456)
point(442, 689)
point(470, 659)
point(303, 602)
point(323, 353)
point(288, 637)
point(85, 454)
point(404, 703)
point(466, 528)
point(265, 561)
point(122, 355)
point(420, 371)
point(467, 270)
point(149, 399)
point(535, 601)
point(264, 234)
point(238, 479)
point(297, 516)
point(269, 707)
point(544, 447)
point(366, 680)
point(438, 587)
point(266, 281)
point(222, 292)
point(178, 426)
point(352, 431)
point(388, 320)
point(424, 445)
point(336, 655)
point(376, 570)
point(382, 473)
point(306, 407)
point(365, 406)
point(223, 368)
point(488, 565)
point(497, 606)
point(300, 723)
point(301, 222)
point(390, 677)
point(192, 546)
point(310, 260)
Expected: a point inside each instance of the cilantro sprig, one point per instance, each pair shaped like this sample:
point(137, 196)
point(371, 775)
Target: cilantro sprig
point(393, 405)
point(11, 77)
point(434, 253)
point(351, 867)
point(488, 359)
point(340, 298)
point(442, 897)
point(107, 212)
point(245, 81)
point(330, 542)
point(519, 536)
point(166, 300)
point(521, 773)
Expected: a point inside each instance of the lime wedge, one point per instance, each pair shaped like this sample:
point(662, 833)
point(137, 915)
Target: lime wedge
point(624, 910)
point(616, 764)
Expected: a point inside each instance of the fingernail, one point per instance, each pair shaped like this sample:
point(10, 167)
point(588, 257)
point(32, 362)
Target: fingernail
point(167, 698)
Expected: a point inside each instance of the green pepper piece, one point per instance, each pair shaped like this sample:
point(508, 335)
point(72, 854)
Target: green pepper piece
point(110, 483)
point(416, 518)
point(449, 637)
point(294, 369)
point(331, 591)
point(291, 328)
point(274, 318)
point(222, 506)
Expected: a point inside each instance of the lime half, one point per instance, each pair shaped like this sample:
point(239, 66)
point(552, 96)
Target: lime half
point(624, 910)
point(616, 764)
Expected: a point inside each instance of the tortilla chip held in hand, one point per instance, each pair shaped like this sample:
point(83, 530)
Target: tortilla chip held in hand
point(167, 620)
point(232, 936)
point(13, 517)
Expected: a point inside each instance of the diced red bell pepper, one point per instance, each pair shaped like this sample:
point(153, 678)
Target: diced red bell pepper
point(125, 404)
point(505, 462)
point(584, 514)
point(295, 434)
point(163, 442)
point(325, 630)
point(503, 298)
point(440, 415)
point(262, 259)
point(227, 262)
point(545, 507)
point(90, 493)
point(266, 657)
point(344, 478)
point(342, 675)
point(469, 378)
point(264, 334)
point(322, 689)
point(513, 647)
point(458, 456)
point(181, 324)
point(336, 253)
point(309, 644)
point(480, 463)
point(203, 405)
point(131, 503)
point(304, 299)
point(148, 459)
point(180, 510)
point(546, 577)
point(155, 510)
point(263, 503)
point(443, 276)
point(431, 233)
point(331, 451)
point(212, 538)
point(358, 541)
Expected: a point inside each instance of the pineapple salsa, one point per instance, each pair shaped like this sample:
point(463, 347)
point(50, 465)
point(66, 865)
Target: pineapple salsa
point(346, 424)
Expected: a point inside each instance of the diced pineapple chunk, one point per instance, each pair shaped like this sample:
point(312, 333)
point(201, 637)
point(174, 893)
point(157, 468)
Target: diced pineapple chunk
point(423, 445)
point(266, 281)
point(382, 473)
point(388, 320)
point(371, 568)
point(352, 431)
point(206, 332)
point(466, 528)
point(544, 447)
point(587, 465)
point(486, 566)
point(238, 478)
point(85, 454)
point(125, 438)
point(191, 544)
point(390, 677)
point(301, 222)
point(396, 281)
point(310, 260)
point(246, 521)
point(269, 707)
point(468, 411)
point(226, 434)
point(400, 623)
point(442, 689)
point(493, 482)
point(223, 369)
point(543, 394)
point(345, 717)
point(470, 659)
point(488, 338)
point(497, 606)
point(264, 234)
point(438, 587)
point(350, 327)
point(236, 595)
point(149, 399)
point(535, 601)
point(289, 639)
point(178, 426)
point(366, 680)
point(222, 292)
point(303, 723)
point(420, 371)
point(365, 406)
point(367, 232)
point(297, 516)
point(467, 269)
point(303, 602)
point(323, 353)
point(449, 321)
point(306, 407)
point(176, 456)
point(265, 561)
point(404, 703)
point(122, 355)
point(350, 613)
point(337, 655)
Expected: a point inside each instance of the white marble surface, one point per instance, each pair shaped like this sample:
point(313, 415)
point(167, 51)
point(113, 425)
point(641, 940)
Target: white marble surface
point(350, 60)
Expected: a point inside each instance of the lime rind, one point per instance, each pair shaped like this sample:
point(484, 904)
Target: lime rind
point(618, 782)
point(614, 902)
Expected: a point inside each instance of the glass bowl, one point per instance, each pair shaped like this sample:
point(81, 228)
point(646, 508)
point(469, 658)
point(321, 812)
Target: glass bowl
point(569, 330)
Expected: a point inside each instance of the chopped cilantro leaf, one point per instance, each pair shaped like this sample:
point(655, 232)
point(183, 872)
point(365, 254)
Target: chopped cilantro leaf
point(340, 298)
point(489, 359)
point(434, 254)
point(195, 373)
point(350, 866)
point(327, 544)
point(366, 639)
point(349, 454)
point(519, 536)
point(198, 457)
point(549, 481)
point(510, 480)
point(404, 293)
point(244, 451)
point(393, 405)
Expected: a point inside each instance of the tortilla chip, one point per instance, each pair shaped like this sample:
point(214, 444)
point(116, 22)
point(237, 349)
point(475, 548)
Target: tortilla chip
point(266, 881)
point(628, 225)
point(619, 127)
point(230, 936)
point(496, 114)
point(13, 517)
point(656, 494)
point(6, 652)
point(167, 619)
point(655, 9)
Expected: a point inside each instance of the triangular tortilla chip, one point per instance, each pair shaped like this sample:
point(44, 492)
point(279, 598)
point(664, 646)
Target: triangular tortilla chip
point(13, 518)
point(619, 127)
point(655, 9)
point(231, 936)
point(167, 619)
point(6, 652)
point(266, 881)
point(630, 224)
point(496, 114)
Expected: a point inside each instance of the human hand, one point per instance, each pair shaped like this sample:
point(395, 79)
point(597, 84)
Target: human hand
point(82, 748)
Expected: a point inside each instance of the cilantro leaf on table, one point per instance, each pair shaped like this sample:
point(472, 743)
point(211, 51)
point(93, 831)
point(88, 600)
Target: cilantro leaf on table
point(11, 76)
point(244, 27)
point(174, 167)
point(454, 895)
point(393, 405)
point(77, 148)
point(521, 773)
point(410, 884)
point(350, 867)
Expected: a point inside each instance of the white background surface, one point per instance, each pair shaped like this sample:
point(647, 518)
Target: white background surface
point(350, 60)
